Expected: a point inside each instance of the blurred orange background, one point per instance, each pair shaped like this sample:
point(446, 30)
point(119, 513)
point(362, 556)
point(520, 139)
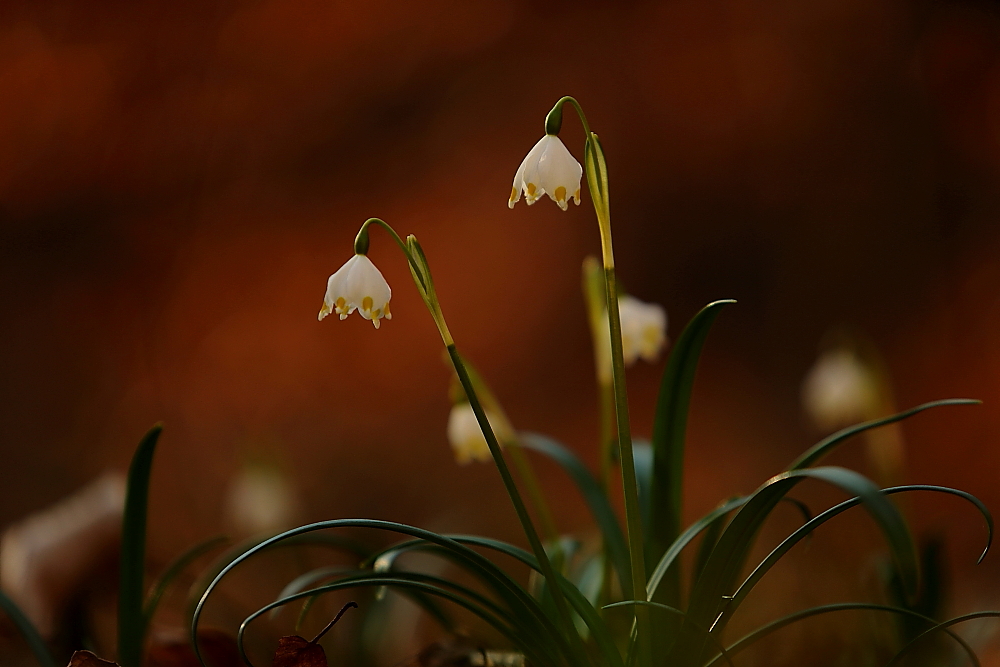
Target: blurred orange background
point(177, 181)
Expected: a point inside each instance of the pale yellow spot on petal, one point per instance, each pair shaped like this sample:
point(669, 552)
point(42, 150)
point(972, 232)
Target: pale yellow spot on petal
point(341, 305)
point(560, 194)
point(513, 194)
point(366, 304)
point(531, 189)
point(388, 315)
point(576, 196)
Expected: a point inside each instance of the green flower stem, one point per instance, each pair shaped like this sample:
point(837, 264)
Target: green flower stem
point(597, 182)
point(424, 283)
point(594, 296)
point(513, 444)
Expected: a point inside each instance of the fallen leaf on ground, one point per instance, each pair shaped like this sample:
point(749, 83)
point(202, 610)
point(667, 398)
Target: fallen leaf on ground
point(88, 659)
point(295, 651)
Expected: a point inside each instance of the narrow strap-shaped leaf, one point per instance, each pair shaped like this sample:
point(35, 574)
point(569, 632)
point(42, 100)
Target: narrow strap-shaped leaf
point(814, 523)
point(174, 570)
point(685, 538)
point(784, 621)
point(676, 612)
point(669, 430)
point(943, 627)
point(710, 600)
point(475, 563)
point(132, 591)
point(708, 542)
point(826, 445)
point(336, 542)
point(381, 561)
point(28, 631)
point(580, 604)
point(593, 495)
point(424, 583)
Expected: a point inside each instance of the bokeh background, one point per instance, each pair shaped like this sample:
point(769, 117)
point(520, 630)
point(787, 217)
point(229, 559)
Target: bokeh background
point(177, 181)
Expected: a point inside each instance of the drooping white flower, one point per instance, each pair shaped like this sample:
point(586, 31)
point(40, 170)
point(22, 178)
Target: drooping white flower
point(357, 285)
point(644, 333)
point(548, 168)
point(840, 389)
point(261, 499)
point(466, 437)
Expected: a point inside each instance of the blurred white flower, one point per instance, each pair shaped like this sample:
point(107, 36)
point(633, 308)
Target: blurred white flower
point(548, 168)
point(45, 558)
point(839, 390)
point(357, 285)
point(466, 438)
point(261, 500)
point(644, 333)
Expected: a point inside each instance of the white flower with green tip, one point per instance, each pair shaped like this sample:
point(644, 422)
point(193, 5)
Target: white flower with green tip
point(548, 168)
point(357, 285)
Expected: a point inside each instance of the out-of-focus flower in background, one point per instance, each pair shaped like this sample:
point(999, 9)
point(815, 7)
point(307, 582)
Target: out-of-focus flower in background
point(548, 168)
point(467, 439)
point(45, 558)
point(849, 384)
point(644, 334)
point(261, 499)
point(357, 285)
point(840, 389)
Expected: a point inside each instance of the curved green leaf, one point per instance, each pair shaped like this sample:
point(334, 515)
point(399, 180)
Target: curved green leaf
point(669, 429)
point(943, 627)
point(676, 612)
point(774, 626)
point(579, 603)
point(478, 605)
point(336, 542)
point(174, 570)
point(710, 604)
point(131, 621)
point(826, 445)
point(474, 562)
point(593, 495)
point(793, 539)
point(685, 538)
point(28, 631)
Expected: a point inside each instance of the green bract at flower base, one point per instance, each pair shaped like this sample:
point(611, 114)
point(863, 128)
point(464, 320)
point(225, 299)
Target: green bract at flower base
point(564, 624)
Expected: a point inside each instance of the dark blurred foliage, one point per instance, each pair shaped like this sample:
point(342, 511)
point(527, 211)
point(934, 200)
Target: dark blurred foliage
point(177, 180)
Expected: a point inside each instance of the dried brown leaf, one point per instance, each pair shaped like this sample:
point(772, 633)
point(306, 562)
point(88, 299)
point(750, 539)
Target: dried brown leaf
point(294, 651)
point(88, 659)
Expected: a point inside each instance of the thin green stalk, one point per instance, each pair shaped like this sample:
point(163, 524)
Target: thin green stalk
point(597, 181)
point(545, 564)
point(525, 469)
point(425, 284)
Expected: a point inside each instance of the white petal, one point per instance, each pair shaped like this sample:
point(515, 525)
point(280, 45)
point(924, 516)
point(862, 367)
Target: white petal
point(357, 285)
point(559, 173)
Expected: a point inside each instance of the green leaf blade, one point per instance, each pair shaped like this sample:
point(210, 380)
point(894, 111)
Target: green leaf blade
point(669, 430)
point(131, 620)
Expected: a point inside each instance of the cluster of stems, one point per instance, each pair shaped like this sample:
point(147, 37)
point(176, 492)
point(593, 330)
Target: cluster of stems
point(616, 436)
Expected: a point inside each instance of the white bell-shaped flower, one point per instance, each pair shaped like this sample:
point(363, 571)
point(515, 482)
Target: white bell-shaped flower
point(357, 285)
point(261, 499)
point(548, 168)
point(840, 389)
point(644, 333)
point(466, 437)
